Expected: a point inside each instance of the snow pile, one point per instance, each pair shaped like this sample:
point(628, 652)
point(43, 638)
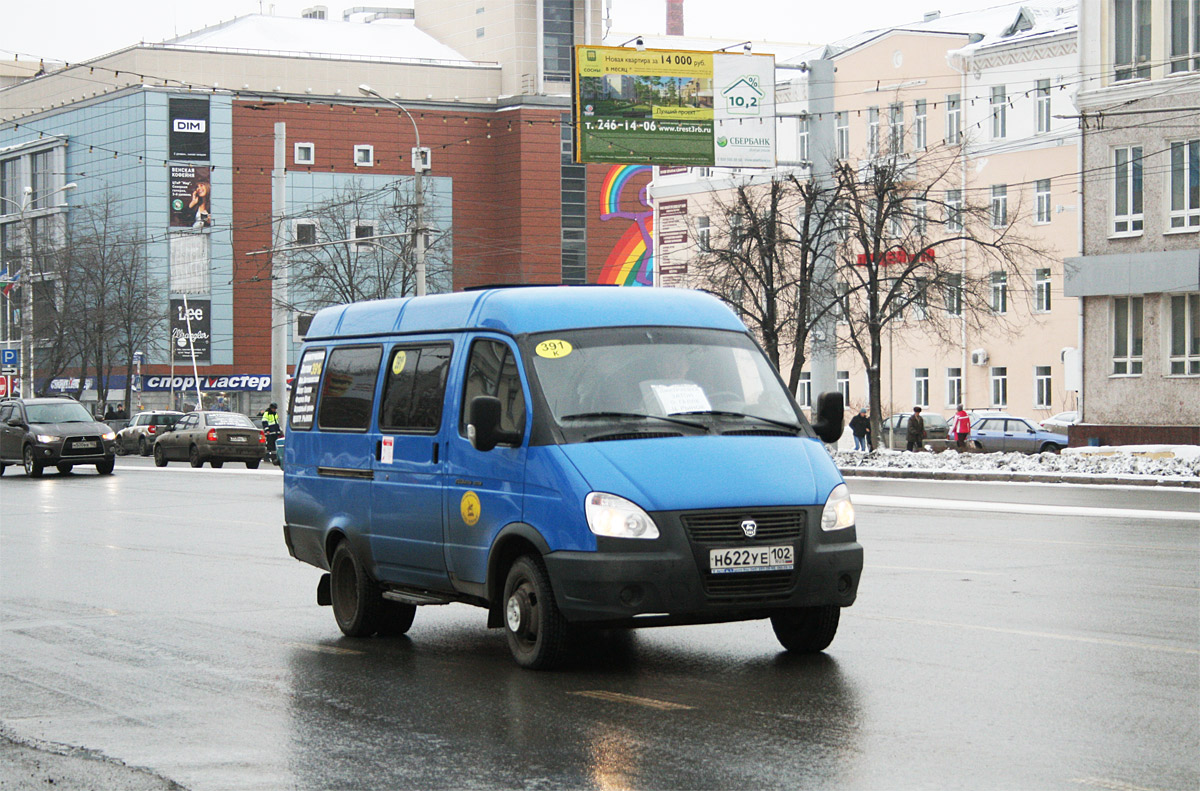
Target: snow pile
point(1155, 461)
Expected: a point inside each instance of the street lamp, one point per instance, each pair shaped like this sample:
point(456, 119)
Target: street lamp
point(27, 286)
point(420, 163)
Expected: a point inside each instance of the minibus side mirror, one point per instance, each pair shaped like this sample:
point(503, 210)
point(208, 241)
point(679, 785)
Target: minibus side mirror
point(829, 417)
point(483, 425)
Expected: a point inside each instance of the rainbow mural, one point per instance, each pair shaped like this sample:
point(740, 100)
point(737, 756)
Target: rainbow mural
point(631, 261)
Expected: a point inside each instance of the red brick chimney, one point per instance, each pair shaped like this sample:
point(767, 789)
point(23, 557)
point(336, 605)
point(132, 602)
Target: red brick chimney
point(674, 17)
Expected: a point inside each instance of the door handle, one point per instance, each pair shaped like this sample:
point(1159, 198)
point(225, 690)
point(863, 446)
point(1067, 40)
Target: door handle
point(378, 449)
point(435, 451)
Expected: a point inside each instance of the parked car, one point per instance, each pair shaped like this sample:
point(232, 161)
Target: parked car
point(143, 429)
point(1015, 435)
point(937, 432)
point(1061, 422)
point(215, 437)
point(59, 432)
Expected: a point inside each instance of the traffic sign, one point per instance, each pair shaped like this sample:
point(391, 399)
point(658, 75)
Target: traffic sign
point(8, 385)
point(10, 357)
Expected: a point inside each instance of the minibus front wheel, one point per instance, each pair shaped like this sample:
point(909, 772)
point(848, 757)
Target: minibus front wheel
point(536, 630)
point(807, 630)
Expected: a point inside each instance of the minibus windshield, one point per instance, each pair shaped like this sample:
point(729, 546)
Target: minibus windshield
point(683, 380)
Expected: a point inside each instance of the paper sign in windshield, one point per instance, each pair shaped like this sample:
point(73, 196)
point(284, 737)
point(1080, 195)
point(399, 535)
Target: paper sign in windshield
point(682, 397)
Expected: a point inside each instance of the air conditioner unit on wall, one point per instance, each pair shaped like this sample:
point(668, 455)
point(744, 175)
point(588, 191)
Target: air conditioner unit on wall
point(979, 357)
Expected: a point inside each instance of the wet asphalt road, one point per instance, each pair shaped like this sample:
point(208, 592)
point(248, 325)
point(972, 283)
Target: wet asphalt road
point(155, 617)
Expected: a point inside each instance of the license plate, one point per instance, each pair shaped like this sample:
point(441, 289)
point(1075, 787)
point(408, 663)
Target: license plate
point(237, 439)
point(84, 444)
point(742, 559)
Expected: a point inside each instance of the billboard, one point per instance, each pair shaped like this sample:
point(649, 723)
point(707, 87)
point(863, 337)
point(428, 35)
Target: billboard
point(188, 131)
point(191, 330)
point(191, 196)
point(674, 107)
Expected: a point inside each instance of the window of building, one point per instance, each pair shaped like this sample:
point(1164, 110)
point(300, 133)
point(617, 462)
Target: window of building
point(872, 131)
point(1127, 336)
point(364, 232)
point(999, 112)
point(1185, 335)
point(999, 292)
point(1127, 185)
point(842, 126)
point(804, 389)
point(999, 206)
point(1041, 194)
point(920, 298)
point(954, 294)
point(920, 125)
point(414, 389)
point(1041, 387)
point(802, 139)
point(10, 185)
point(42, 178)
point(1131, 39)
point(480, 32)
point(703, 233)
point(1041, 290)
point(920, 217)
point(954, 391)
point(1043, 106)
point(953, 118)
point(364, 156)
point(492, 371)
point(1185, 183)
point(999, 377)
point(843, 385)
point(954, 215)
point(921, 387)
point(896, 128)
point(1183, 25)
point(558, 38)
point(306, 233)
point(305, 154)
point(349, 388)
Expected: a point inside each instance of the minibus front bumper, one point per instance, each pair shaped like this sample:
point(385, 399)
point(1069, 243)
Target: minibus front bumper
point(668, 580)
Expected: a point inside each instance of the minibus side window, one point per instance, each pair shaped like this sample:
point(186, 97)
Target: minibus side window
point(348, 390)
point(415, 388)
point(492, 371)
point(303, 406)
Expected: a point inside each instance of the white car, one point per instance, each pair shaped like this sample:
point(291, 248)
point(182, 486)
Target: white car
point(1061, 421)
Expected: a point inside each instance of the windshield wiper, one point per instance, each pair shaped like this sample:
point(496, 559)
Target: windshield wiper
point(724, 413)
point(637, 415)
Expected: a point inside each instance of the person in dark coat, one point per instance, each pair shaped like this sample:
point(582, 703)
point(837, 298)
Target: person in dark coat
point(916, 430)
point(860, 427)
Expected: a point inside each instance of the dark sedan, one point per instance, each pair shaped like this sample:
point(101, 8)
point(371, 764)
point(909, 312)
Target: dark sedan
point(215, 437)
point(59, 432)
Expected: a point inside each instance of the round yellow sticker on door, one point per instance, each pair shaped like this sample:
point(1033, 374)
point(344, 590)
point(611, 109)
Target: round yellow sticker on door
point(398, 362)
point(553, 349)
point(470, 508)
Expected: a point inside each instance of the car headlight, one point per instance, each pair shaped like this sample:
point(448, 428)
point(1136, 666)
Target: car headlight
point(46, 439)
point(610, 515)
point(109, 435)
point(839, 511)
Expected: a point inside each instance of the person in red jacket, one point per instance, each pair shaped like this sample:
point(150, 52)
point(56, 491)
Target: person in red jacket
point(961, 427)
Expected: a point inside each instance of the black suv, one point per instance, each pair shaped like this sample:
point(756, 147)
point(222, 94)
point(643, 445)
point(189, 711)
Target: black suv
point(58, 432)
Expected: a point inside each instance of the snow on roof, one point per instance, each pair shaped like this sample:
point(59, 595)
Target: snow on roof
point(782, 50)
point(1029, 22)
point(398, 39)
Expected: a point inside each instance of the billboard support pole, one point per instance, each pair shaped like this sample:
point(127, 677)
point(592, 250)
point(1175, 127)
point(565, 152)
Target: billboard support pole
point(187, 316)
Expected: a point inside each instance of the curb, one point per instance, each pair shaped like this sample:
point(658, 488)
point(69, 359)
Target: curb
point(1019, 477)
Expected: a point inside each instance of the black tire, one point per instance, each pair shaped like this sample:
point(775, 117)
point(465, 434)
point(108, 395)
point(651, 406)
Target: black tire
point(357, 606)
point(395, 618)
point(160, 458)
point(106, 467)
point(252, 464)
point(807, 630)
point(536, 630)
point(33, 468)
point(143, 447)
point(2, 466)
point(194, 457)
point(217, 464)
point(1050, 447)
point(64, 468)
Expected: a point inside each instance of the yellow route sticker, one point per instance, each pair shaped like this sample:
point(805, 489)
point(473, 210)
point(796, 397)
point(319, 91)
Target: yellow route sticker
point(398, 362)
point(553, 349)
point(470, 508)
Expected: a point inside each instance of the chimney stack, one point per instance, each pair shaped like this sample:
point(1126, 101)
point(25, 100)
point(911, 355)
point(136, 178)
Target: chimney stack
point(674, 17)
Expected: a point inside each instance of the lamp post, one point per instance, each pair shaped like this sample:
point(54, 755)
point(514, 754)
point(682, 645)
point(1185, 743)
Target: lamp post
point(27, 286)
point(420, 163)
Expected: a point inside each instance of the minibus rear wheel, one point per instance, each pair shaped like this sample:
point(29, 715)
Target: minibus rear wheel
point(356, 600)
point(536, 630)
point(807, 630)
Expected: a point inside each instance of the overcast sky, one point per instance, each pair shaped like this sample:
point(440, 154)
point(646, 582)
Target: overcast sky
point(74, 30)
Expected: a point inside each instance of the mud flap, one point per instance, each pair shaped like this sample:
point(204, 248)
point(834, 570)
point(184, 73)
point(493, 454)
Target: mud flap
point(324, 597)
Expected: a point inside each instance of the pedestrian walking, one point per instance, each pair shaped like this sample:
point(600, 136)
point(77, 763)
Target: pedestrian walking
point(960, 428)
point(916, 430)
point(860, 427)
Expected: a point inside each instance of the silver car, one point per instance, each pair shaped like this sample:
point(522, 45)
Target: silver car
point(143, 429)
point(1015, 435)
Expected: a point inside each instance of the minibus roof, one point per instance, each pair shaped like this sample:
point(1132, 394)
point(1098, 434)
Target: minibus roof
point(532, 309)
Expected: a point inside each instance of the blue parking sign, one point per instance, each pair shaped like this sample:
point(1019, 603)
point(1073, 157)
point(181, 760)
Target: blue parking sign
point(10, 356)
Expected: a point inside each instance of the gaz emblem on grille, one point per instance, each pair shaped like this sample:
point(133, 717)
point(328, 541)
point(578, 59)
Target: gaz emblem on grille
point(749, 527)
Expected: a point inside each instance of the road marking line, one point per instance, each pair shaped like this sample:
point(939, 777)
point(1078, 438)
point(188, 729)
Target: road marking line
point(943, 571)
point(922, 503)
point(1112, 785)
point(324, 649)
point(617, 697)
point(236, 471)
point(1029, 633)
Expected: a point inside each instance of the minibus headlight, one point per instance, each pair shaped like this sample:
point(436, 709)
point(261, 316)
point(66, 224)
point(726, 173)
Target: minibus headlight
point(616, 517)
point(839, 511)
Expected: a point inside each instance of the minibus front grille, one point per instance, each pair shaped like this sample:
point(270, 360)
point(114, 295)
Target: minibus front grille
point(765, 586)
point(771, 526)
point(635, 435)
